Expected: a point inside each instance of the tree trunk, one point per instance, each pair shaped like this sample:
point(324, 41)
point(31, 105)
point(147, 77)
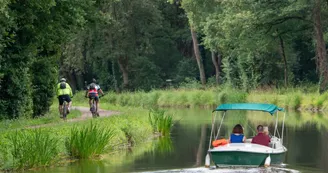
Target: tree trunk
point(320, 47)
point(114, 77)
point(198, 56)
point(123, 63)
point(283, 55)
point(216, 59)
point(219, 58)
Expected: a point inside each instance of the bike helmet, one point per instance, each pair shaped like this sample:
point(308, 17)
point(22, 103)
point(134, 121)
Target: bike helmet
point(94, 80)
point(62, 80)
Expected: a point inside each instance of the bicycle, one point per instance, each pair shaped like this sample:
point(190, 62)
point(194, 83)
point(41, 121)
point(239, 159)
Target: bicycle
point(65, 110)
point(93, 108)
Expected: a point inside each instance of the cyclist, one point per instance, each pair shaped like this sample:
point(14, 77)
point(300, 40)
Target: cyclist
point(64, 93)
point(92, 93)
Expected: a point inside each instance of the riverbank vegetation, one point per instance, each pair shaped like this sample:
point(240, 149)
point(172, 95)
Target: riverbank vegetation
point(299, 98)
point(71, 140)
point(88, 141)
point(32, 148)
point(161, 122)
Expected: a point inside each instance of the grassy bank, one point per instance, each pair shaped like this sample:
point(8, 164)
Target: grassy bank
point(51, 117)
point(168, 98)
point(130, 128)
point(306, 98)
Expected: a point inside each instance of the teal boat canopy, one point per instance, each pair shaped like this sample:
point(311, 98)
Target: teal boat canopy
point(270, 108)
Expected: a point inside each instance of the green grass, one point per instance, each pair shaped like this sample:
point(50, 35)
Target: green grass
point(88, 141)
point(29, 148)
point(169, 98)
point(51, 117)
point(306, 97)
point(131, 125)
point(160, 122)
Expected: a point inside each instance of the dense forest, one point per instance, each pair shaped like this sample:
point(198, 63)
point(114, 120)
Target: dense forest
point(130, 45)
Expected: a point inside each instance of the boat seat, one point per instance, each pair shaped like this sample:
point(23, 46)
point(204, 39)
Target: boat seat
point(249, 140)
point(271, 144)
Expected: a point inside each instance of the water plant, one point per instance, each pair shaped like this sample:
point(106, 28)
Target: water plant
point(160, 122)
point(31, 148)
point(164, 145)
point(88, 141)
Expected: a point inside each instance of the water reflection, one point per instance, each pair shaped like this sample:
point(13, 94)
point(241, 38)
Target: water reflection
point(305, 136)
point(231, 170)
point(164, 145)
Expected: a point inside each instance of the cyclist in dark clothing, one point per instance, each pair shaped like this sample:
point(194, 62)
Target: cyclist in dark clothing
point(92, 93)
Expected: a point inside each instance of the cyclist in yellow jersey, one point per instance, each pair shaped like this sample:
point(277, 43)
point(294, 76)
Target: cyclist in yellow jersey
point(64, 93)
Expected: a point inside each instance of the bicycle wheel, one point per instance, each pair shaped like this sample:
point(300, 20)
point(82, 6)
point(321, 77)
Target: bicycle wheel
point(96, 111)
point(92, 108)
point(96, 114)
point(64, 110)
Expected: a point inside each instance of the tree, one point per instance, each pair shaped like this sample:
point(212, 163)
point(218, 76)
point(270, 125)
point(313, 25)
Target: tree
point(198, 56)
point(216, 59)
point(249, 30)
point(33, 34)
point(127, 33)
point(320, 47)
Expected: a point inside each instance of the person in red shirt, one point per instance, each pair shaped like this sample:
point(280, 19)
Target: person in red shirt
point(92, 93)
point(261, 138)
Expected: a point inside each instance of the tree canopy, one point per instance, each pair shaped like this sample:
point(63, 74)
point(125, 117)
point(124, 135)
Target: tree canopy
point(141, 45)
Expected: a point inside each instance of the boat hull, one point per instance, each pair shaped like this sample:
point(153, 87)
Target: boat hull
point(236, 158)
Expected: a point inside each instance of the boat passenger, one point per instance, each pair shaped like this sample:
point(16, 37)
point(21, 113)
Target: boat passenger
point(261, 138)
point(237, 135)
point(266, 130)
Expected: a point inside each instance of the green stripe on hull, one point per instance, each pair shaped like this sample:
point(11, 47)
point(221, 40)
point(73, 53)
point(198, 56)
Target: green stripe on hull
point(244, 158)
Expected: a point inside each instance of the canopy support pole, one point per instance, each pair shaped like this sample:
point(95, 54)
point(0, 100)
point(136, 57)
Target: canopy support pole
point(213, 121)
point(217, 135)
point(276, 126)
point(282, 130)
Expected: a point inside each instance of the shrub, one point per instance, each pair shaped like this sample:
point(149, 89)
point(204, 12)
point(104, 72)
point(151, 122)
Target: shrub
point(88, 141)
point(160, 122)
point(296, 99)
point(232, 96)
point(320, 100)
point(32, 148)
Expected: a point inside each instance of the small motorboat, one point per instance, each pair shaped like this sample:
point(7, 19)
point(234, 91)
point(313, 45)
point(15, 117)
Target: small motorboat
point(247, 153)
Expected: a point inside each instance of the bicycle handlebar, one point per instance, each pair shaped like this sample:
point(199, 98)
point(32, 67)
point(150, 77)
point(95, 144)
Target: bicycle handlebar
point(98, 96)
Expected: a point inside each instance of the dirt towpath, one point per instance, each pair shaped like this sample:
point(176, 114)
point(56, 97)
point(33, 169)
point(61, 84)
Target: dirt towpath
point(85, 114)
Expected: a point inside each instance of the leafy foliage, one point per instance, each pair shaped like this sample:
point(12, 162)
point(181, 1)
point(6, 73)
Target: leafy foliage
point(31, 39)
point(139, 45)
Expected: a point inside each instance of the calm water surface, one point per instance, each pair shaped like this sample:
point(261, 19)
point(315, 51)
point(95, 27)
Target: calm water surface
point(305, 136)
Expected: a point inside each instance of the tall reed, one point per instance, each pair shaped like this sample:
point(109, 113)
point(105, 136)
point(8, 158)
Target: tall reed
point(160, 122)
point(32, 148)
point(88, 141)
point(164, 145)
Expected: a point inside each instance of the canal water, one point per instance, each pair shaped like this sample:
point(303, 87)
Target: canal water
point(305, 137)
